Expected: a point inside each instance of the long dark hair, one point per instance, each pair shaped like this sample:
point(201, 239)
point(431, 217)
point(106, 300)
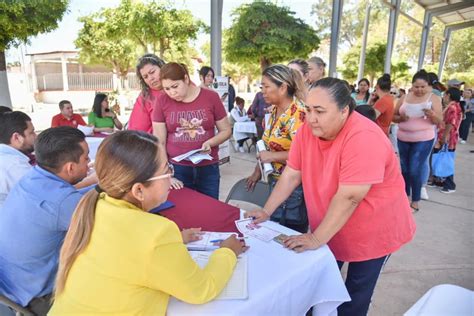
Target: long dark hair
point(97, 107)
point(367, 93)
point(147, 59)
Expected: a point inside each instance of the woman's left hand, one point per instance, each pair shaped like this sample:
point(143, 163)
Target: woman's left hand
point(176, 184)
point(265, 156)
point(206, 148)
point(429, 113)
point(302, 242)
point(191, 234)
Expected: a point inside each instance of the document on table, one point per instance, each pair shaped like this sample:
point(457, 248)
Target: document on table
point(248, 228)
point(195, 156)
point(416, 110)
point(236, 288)
point(265, 168)
point(209, 241)
point(87, 130)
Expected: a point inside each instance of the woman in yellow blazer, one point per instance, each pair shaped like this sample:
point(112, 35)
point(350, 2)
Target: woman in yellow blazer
point(119, 259)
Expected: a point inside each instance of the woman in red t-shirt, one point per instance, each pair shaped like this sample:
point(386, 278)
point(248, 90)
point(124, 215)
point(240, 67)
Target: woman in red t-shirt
point(353, 188)
point(384, 106)
point(184, 120)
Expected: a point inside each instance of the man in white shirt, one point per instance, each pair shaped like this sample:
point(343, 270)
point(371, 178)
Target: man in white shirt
point(17, 137)
point(237, 114)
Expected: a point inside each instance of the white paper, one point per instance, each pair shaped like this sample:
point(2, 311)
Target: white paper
point(195, 156)
point(248, 228)
point(236, 288)
point(265, 168)
point(209, 241)
point(87, 130)
point(416, 110)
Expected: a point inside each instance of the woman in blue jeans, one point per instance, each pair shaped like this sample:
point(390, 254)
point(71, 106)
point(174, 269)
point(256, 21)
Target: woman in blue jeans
point(185, 118)
point(417, 113)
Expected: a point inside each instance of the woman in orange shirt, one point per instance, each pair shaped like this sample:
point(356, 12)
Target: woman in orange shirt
point(353, 187)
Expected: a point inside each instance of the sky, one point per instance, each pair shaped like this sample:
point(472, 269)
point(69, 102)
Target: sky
point(63, 37)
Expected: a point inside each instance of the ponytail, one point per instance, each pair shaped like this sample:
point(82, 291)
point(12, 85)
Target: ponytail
point(77, 237)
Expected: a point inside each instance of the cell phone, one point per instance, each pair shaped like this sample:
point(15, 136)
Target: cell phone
point(279, 239)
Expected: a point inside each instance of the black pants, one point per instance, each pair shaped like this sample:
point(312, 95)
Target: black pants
point(465, 125)
point(40, 305)
point(360, 283)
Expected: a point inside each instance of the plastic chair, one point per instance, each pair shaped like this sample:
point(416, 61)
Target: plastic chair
point(258, 196)
point(18, 309)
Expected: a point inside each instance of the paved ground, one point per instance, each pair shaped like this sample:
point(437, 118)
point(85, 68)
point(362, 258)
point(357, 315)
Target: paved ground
point(441, 252)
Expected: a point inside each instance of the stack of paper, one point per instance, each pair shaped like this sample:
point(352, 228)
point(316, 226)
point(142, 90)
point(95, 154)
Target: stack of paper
point(248, 228)
point(195, 156)
point(236, 288)
point(209, 241)
point(265, 168)
point(87, 130)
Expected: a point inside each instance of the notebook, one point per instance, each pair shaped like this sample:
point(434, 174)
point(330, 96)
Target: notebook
point(210, 241)
point(166, 205)
point(237, 287)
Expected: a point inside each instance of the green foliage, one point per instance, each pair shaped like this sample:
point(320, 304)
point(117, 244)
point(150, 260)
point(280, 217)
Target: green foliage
point(22, 19)
point(264, 32)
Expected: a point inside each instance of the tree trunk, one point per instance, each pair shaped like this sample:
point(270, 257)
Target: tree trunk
point(264, 62)
point(5, 99)
point(162, 47)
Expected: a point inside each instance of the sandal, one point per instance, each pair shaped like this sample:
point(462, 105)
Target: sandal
point(414, 209)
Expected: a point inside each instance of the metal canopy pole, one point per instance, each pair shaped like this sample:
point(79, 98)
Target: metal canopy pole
point(392, 28)
point(427, 22)
point(364, 42)
point(335, 28)
point(216, 36)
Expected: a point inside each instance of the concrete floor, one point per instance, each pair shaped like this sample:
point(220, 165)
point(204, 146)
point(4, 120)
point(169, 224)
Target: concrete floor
point(441, 252)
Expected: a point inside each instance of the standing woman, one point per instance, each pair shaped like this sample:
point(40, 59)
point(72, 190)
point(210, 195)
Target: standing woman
point(206, 74)
point(352, 187)
point(384, 106)
point(362, 95)
point(185, 120)
point(417, 114)
point(148, 72)
point(107, 265)
point(282, 88)
point(101, 117)
point(316, 69)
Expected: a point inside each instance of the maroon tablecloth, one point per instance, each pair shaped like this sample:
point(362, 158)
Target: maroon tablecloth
point(193, 209)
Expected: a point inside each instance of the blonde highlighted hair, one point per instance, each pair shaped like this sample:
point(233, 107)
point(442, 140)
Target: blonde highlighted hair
point(281, 74)
point(123, 159)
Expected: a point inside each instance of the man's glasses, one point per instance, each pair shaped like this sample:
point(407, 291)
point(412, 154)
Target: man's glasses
point(169, 174)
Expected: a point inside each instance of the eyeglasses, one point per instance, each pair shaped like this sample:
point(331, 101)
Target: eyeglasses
point(169, 174)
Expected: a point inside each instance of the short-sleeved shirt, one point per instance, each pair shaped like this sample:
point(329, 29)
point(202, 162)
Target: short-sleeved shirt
point(33, 223)
point(386, 108)
point(100, 122)
point(142, 113)
point(13, 165)
point(61, 120)
point(280, 131)
point(259, 105)
point(361, 154)
point(190, 124)
point(452, 115)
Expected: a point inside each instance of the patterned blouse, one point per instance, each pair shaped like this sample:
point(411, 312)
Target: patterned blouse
point(281, 130)
point(452, 115)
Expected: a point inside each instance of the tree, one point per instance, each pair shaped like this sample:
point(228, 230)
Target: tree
point(18, 21)
point(101, 41)
point(264, 32)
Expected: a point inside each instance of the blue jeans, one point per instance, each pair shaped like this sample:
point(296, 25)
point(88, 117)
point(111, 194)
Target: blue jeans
point(204, 179)
point(413, 156)
point(360, 283)
point(292, 213)
point(425, 174)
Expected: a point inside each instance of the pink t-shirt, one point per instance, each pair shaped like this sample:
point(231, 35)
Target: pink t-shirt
point(416, 129)
point(189, 125)
point(142, 113)
point(361, 154)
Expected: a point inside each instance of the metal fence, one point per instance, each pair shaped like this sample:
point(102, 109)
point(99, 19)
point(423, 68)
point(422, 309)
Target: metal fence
point(85, 81)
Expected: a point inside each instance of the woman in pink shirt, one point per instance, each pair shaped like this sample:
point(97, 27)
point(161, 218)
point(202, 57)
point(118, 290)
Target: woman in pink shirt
point(353, 189)
point(148, 72)
point(417, 113)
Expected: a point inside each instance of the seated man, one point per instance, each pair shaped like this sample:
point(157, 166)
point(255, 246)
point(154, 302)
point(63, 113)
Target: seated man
point(36, 215)
point(237, 114)
point(67, 117)
point(17, 136)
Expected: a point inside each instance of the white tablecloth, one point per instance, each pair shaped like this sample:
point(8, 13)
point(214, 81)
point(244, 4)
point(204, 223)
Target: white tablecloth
point(244, 129)
point(444, 299)
point(93, 143)
point(280, 282)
